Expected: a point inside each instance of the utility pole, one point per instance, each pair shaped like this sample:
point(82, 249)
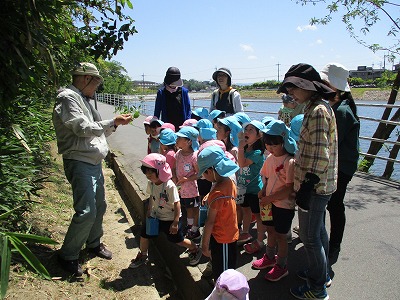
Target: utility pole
point(278, 64)
point(143, 84)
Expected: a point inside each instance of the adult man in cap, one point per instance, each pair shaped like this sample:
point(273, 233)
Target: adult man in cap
point(81, 139)
point(173, 102)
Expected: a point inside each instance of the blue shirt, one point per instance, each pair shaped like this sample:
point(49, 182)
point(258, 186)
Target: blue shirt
point(250, 176)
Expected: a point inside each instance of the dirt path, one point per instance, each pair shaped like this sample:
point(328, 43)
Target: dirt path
point(102, 279)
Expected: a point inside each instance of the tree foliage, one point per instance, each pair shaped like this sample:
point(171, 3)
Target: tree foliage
point(369, 13)
point(116, 80)
point(41, 41)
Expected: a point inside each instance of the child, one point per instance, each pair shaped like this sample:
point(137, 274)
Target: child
point(288, 106)
point(164, 205)
point(186, 176)
point(199, 113)
point(189, 122)
point(150, 139)
point(165, 126)
point(227, 131)
point(231, 285)
point(220, 231)
point(167, 146)
point(215, 115)
point(250, 160)
point(155, 143)
point(206, 133)
point(277, 198)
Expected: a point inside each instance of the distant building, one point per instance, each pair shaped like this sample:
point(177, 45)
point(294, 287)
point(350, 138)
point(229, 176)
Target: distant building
point(145, 84)
point(366, 73)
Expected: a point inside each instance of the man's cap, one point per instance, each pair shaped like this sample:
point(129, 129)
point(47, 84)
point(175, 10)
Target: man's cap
point(86, 68)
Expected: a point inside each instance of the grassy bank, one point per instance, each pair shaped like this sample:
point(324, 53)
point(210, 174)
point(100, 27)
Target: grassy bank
point(358, 93)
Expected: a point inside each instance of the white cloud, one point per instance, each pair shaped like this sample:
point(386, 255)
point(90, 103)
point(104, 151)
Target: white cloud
point(317, 42)
point(246, 48)
point(252, 57)
point(306, 27)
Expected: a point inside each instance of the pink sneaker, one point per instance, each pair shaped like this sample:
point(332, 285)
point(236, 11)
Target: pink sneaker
point(252, 247)
point(263, 263)
point(276, 273)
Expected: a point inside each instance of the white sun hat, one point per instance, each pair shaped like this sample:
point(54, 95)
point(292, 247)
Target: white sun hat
point(337, 75)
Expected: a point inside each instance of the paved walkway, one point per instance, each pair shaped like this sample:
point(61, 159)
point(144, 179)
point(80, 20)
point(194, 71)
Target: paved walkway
point(369, 262)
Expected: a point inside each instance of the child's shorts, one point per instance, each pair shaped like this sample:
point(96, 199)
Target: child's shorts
point(281, 219)
point(204, 186)
point(251, 200)
point(190, 202)
point(164, 227)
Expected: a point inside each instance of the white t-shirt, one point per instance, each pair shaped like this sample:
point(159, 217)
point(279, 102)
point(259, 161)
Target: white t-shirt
point(162, 200)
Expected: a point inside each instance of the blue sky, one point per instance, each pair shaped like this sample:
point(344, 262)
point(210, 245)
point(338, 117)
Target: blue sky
point(249, 37)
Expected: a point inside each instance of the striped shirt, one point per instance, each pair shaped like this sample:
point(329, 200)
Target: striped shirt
point(318, 153)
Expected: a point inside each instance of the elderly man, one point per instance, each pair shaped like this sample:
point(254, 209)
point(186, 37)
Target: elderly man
point(81, 139)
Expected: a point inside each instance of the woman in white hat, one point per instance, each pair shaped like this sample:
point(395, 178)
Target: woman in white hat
point(348, 129)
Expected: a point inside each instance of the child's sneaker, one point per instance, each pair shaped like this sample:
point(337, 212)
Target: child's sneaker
point(194, 257)
point(264, 262)
point(138, 261)
point(304, 292)
point(208, 270)
point(276, 273)
point(252, 247)
point(192, 235)
point(243, 238)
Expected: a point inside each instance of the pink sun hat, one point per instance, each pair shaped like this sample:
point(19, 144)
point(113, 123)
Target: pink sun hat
point(158, 162)
point(149, 119)
point(165, 126)
point(189, 122)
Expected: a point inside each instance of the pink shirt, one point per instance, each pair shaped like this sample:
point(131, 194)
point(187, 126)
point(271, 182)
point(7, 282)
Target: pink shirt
point(185, 167)
point(279, 171)
point(170, 158)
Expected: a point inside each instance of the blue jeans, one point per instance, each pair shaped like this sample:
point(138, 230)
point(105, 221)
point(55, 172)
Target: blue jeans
point(315, 239)
point(86, 226)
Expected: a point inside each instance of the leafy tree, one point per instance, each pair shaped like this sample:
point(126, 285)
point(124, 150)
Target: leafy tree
point(356, 81)
point(387, 78)
point(116, 80)
point(41, 41)
point(369, 12)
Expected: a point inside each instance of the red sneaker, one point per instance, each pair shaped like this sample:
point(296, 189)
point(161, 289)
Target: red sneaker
point(264, 262)
point(276, 273)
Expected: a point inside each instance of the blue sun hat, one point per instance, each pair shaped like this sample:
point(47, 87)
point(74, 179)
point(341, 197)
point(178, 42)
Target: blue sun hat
point(235, 128)
point(201, 112)
point(214, 156)
point(192, 134)
point(267, 119)
point(242, 117)
point(279, 128)
point(215, 114)
point(257, 124)
point(295, 126)
point(206, 129)
point(167, 137)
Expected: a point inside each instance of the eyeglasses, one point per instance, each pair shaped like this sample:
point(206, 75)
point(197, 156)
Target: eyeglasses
point(96, 80)
point(172, 86)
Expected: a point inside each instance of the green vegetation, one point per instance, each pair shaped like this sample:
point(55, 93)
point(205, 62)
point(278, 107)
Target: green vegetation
point(41, 42)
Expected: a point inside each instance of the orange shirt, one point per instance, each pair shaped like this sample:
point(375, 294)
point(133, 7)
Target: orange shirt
point(225, 228)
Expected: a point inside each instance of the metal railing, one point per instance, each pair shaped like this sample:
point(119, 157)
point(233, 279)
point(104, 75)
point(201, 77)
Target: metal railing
point(118, 100)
